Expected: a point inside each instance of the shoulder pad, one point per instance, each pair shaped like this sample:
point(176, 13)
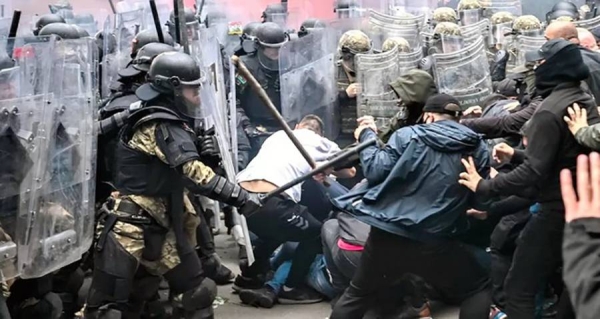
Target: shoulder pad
point(120, 102)
point(426, 64)
point(152, 113)
point(500, 55)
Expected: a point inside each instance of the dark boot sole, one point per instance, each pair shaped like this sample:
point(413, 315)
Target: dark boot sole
point(252, 299)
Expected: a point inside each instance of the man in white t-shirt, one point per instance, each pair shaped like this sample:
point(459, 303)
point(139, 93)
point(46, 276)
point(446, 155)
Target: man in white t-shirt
point(282, 218)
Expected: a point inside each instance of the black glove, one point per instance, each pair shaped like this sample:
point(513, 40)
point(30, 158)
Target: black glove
point(251, 204)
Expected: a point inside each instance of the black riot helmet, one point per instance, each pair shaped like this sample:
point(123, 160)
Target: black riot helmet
point(63, 30)
point(214, 18)
point(347, 9)
point(269, 39)
point(248, 37)
point(563, 9)
point(191, 21)
point(143, 59)
point(46, 20)
point(81, 31)
point(310, 24)
point(145, 37)
point(277, 13)
point(174, 75)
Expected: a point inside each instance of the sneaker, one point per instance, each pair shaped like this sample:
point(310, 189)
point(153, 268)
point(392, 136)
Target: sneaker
point(264, 297)
point(299, 295)
point(242, 283)
point(496, 313)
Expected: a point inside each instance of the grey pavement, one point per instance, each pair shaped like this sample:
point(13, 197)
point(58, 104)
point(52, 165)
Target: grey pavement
point(230, 306)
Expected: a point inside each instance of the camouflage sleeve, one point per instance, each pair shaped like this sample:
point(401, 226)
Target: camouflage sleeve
point(144, 140)
point(387, 130)
point(589, 137)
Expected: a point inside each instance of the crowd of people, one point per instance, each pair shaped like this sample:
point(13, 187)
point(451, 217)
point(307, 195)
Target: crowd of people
point(373, 170)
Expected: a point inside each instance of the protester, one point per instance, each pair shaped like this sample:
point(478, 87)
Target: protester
point(416, 212)
point(551, 148)
point(587, 40)
point(281, 218)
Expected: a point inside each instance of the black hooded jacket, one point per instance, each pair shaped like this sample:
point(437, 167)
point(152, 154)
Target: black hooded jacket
point(551, 147)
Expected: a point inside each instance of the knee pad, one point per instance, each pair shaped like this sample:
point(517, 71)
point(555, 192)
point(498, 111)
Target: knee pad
point(200, 297)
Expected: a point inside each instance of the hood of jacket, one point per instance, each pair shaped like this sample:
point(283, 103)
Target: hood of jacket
point(447, 136)
point(414, 87)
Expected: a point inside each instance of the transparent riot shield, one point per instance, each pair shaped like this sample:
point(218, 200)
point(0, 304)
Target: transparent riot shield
point(495, 6)
point(499, 33)
point(472, 32)
point(109, 64)
point(383, 26)
point(588, 24)
point(409, 61)
point(6, 8)
point(471, 16)
point(307, 79)
point(519, 48)
point(415, 7)
point(374, 73)
point(127, 25)
point(464, 74)
point(23, 143)
point(62, 230)
point(5, 26)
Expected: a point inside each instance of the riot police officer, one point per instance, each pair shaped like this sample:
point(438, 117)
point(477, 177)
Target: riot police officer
point(401, 43)
point(443, 14)
point(277, 13)
point(46, 20)
point(469, 11)
point(152, 224)
point(351, 43)
point(264, 66)
point(145, 37)
point(563, 11)
point(247, 44)
point(346, 9)
point(192, 24)
point(63, 30)
point(309, 25)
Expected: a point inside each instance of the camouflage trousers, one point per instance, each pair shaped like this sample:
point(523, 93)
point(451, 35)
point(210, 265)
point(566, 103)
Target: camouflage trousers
point(131, 238)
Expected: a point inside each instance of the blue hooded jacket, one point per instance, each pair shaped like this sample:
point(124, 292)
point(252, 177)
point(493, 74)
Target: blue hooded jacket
point(412, 185)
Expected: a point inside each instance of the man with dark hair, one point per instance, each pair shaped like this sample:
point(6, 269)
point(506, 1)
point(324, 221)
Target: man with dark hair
point(415, 210)
point(282, 218)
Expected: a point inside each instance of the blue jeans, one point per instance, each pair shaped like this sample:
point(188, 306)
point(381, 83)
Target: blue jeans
point(316, 277)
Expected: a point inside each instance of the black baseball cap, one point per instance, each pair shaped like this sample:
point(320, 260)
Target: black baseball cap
point(547, 50)
point(443, 104)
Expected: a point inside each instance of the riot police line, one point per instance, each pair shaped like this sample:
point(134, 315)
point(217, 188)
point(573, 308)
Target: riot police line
point(80, 114)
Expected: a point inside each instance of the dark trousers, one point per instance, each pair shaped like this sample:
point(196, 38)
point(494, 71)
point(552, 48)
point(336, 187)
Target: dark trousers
point(281, 220)
point(536, 259)
point(502, 247)
point(449, 266)
point(341, 264)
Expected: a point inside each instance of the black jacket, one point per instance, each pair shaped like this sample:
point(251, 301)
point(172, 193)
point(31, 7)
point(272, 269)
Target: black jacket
point(551, 148)
point(592, 60)
point(502, 126)
point(582, 266)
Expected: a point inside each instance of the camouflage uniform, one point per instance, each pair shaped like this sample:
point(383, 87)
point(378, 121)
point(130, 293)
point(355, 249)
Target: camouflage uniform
point(469, 5)
point(502, 17)
point(351, 43)
point(390, 43)
point(131, 237)
point(526, 23)
point(589, 137)
point(447, 28)
point(445, 14)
